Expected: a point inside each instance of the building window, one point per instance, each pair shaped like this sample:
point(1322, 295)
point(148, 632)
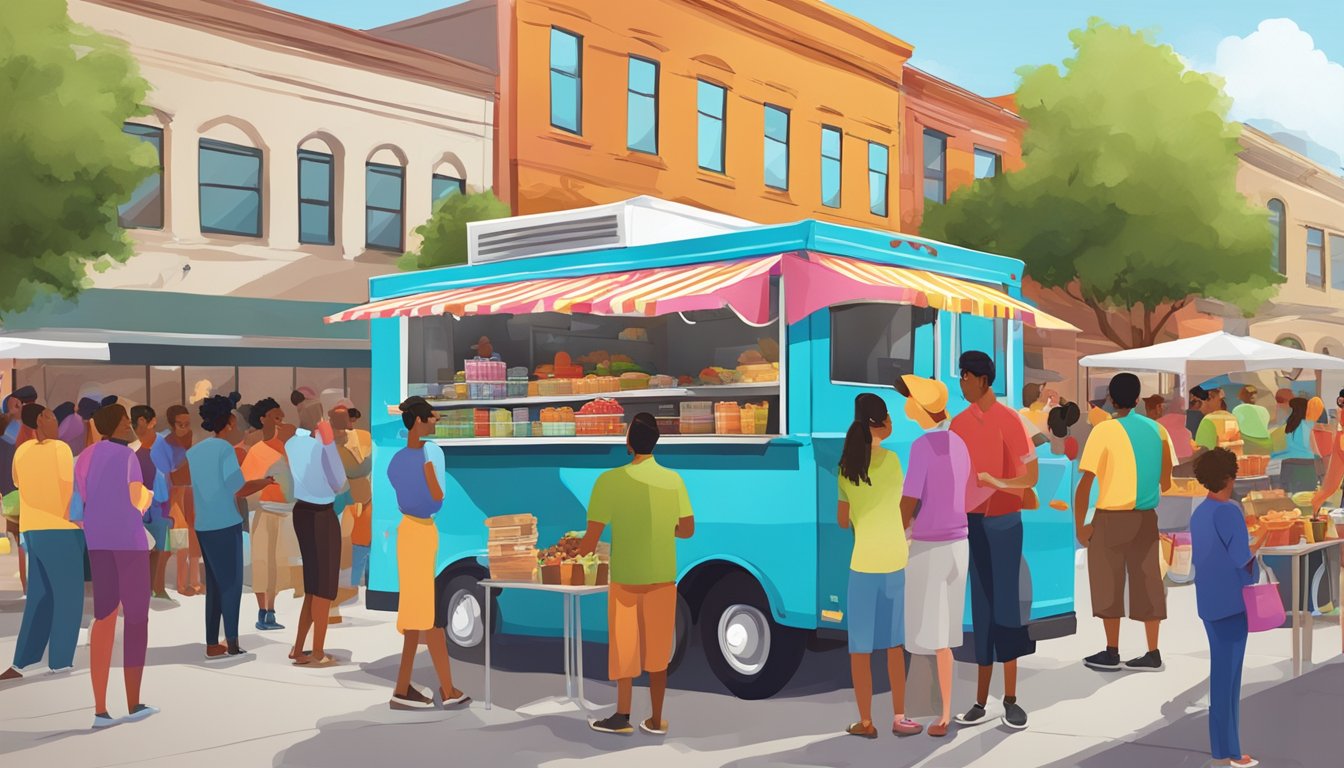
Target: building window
point(830, 166)
point(442, 186)
point(316, 190)
point(383, 202)
point(876, 343)
point(1337, 261)
point(1290, 342)
point(710, 103)
point(566, 81)
point(987, 164)
point(877, 178)
point(641, 106)
point(935, 166)
point(230, 181)
point(1315, 257)
point(1278, 225)
point(776, 147)
point(145, 208)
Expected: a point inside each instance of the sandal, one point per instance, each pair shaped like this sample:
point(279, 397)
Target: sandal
point(859, 729)
point(457, 698)
point(906, 727)
point(300, 659)
point(938, 730)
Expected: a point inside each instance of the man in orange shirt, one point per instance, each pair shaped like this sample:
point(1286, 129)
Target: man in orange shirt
point(1004, 463)
point(274, 505)
point(1334, 468)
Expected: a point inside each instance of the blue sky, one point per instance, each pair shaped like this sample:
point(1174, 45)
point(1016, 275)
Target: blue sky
point(1286, 71)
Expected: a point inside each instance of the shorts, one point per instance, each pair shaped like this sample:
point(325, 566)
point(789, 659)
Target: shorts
point(159, 530)
point(266, 551)
point(641, 623)
point(998, 612)
point(876, 609)
point(319, 533)
point(1126, 543)
point(417, 547)
point(935, 600)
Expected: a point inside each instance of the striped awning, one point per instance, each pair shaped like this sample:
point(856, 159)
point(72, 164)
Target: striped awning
point(742, 285)
point(819, 280)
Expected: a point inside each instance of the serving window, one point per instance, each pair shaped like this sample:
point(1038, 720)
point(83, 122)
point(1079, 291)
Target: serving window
point(875, 344)
point(558, 375)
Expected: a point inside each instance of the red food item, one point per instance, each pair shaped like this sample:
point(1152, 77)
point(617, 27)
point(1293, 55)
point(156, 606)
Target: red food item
point(684, 380)
point(710, 376)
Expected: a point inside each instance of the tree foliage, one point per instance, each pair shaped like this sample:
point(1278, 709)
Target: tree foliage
point(444, 235)
point(1127, 200)
point(64, 161)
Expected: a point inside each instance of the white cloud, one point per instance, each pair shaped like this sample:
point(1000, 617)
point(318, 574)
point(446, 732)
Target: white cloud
point(1277, 73)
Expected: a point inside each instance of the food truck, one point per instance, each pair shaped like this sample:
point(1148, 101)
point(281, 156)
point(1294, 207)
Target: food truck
point(748, 344)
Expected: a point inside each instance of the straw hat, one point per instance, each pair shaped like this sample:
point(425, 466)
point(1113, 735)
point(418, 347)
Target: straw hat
point(924, 398)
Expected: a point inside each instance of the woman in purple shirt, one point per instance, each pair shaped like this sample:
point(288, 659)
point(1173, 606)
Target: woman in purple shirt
point(933, 505)
point(414, 473)
point(1223, 559)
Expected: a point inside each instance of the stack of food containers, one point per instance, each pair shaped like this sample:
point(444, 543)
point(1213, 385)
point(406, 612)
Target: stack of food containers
point(602, 416)
point(557, 422)
point(727, 419)
point(696, 419)
point(486, 379)
point(668, 421)
point(511, 545)
point(516, 384)
point(501, 422)
point(522, 425)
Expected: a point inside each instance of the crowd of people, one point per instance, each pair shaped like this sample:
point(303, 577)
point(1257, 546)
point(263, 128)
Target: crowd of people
point(95, 492)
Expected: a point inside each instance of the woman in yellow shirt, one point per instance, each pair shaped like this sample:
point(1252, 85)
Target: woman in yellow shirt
point(870, 497)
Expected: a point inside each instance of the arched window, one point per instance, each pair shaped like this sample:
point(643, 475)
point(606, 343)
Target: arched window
point(1291, 342)
point(385, 199)
point(231, 178)
point(317, 191)
point(1278, 223)
point(448, 179)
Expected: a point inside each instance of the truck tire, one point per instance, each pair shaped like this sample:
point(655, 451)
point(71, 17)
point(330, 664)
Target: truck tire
point(681, 638)
point(752, 655)
point(462, 616)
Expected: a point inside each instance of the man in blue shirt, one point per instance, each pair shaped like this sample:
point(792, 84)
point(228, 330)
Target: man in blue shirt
point(318, 477)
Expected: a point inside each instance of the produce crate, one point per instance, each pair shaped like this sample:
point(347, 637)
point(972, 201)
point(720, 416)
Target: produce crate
point(507, 520)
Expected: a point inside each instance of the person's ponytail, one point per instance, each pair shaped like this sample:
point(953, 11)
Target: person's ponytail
point(869, 411)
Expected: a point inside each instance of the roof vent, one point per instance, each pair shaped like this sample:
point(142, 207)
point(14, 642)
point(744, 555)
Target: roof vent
point(638, 221)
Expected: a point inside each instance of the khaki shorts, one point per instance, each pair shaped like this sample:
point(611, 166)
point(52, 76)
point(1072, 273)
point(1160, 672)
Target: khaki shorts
point(1125, 545)
point(641, 621)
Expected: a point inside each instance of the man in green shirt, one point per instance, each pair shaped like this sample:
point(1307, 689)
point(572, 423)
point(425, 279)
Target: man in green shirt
point(648, 509)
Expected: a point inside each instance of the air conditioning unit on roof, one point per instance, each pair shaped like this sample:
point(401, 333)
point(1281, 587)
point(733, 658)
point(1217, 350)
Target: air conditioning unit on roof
point(637, 221)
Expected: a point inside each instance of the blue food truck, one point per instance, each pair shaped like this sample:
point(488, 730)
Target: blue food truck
point(702, 315)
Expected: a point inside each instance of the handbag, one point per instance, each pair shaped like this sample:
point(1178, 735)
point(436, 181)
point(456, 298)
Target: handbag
point(1264, 608)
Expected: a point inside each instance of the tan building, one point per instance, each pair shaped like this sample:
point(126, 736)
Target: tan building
point(297, 157)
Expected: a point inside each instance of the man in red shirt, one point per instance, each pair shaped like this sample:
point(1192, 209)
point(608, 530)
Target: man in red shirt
point(1004, 463)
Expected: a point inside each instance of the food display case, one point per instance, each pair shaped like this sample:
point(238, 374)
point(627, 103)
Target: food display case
point(704, 375)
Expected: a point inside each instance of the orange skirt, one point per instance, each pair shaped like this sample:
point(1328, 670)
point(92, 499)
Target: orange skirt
point(417, 547)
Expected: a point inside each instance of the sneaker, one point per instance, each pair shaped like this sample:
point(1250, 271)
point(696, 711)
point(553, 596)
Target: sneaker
point(1246, 761)
point(216, 653)
point(103, 720)
point(1014, 716)
point(12, 673)
point(1107, 660)
point(414, 698)
point(141, 712)
point(868, 731)
point(1148, 662)
point(648, 726)
point(614, 724)
point(976, 715)
point(238, 653)
point(60, 671)
point(270, 620)
point(453, 699)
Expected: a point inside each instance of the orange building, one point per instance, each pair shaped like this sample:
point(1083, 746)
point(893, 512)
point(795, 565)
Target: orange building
point(951, 137)
point(772, 110)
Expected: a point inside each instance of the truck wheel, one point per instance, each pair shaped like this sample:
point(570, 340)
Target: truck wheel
point(463, 617)
point(681, 637)
point(753, 656)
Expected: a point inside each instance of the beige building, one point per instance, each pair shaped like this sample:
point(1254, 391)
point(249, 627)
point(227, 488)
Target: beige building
point(298, 157)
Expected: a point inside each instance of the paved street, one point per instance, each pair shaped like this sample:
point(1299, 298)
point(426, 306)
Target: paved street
point(269, 712)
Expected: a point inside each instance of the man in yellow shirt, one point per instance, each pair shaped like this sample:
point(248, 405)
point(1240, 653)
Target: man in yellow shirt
point(44, 472)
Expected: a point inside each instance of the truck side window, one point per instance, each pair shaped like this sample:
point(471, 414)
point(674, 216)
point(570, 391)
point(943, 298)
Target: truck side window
point(876, 343)
point(988, 335)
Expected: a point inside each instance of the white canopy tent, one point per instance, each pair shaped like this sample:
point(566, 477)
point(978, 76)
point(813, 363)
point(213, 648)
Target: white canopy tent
point(1201, 358)
point(19, 348)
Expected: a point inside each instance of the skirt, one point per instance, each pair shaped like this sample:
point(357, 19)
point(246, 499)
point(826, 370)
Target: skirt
point(417, 548)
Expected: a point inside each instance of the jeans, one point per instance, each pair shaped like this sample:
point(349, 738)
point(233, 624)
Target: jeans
point(996, 610)
point(1227, 651)
point(55, 607)
point(359, 564)
point(222, 551)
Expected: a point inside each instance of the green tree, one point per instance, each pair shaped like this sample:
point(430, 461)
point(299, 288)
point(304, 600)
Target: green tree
point(444, 236)
point(1126, 201)
point(64, 161)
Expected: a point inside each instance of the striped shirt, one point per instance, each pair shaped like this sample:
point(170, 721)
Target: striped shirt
point(1125, 455)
